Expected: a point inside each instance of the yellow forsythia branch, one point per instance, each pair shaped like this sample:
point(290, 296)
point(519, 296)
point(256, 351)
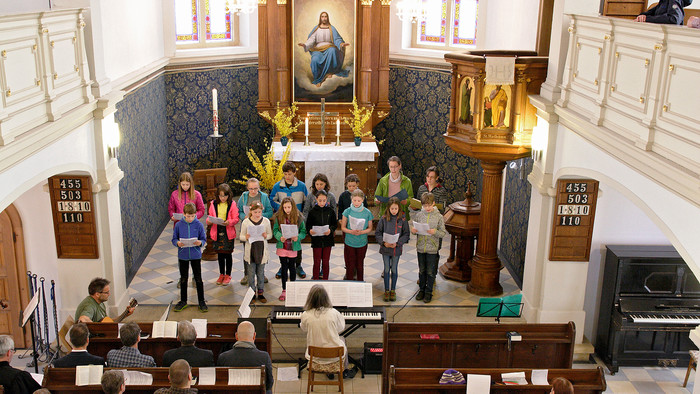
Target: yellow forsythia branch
point(265, 169)
point(284, 119)
point(360, 116)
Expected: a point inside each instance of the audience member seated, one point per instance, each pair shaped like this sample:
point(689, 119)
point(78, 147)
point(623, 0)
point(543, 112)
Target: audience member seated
point(129, 356)
point(180, 377)
point(92, 308)
point(562, 386)
point(79, 334)
point(667, 12)
point(42, 391)
point(12, 379)
point(245, 354)
point(113, 382)
point(187, 351)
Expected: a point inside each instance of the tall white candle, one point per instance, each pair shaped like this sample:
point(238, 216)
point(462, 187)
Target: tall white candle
point(337, 127)
point(306, 126)
point(215, 112)
point(215, 104)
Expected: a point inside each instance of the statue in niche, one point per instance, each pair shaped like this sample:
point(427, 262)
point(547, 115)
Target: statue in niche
point(465, 113)
point(495, 105)
point(327, 49)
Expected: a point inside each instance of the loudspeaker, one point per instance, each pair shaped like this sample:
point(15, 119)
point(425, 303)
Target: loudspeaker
point(372, 359)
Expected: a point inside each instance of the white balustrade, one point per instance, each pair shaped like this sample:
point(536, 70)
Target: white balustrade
point(43, 69)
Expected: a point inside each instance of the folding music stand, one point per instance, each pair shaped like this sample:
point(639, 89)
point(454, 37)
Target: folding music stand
point(508, 306)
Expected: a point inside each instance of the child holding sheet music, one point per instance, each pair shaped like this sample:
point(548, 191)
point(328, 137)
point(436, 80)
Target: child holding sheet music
point(289, 230)
point(223, 216)
point(356, 224)
point(430, 227)
point(184, 194)
point(254, 194)
point(255, 231)
point(322, 224)
point(394, 184)
point(392, 233)
point(189, 236)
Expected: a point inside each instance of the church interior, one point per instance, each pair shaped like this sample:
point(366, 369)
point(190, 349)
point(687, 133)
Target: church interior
point(573, 189)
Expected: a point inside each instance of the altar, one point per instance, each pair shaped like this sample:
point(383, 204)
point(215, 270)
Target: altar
point(336, 162)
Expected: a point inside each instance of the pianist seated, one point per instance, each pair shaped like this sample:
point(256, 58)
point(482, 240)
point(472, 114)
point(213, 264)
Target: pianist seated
point(78, 335)
point(322, 324)
point(187, 351)
point(245, 354)
point(180, 377)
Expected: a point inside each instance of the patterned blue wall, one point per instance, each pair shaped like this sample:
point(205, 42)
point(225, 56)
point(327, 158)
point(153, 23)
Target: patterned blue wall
point(143, 156)
point(414, 130)
point(189, 114)
point(516, 211)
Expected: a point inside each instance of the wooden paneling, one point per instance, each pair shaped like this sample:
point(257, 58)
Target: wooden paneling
point(572, 226)
point(628, 9)
point(73, 216)
point(13, 289)
point(367, 172)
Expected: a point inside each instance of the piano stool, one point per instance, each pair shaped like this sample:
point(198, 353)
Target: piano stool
point(694, 354)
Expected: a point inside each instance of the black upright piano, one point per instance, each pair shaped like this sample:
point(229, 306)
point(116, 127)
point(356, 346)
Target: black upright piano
point(649, 303)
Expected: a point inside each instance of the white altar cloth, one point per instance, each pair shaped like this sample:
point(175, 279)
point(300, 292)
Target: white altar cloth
point(327, 159)
point(347, 151)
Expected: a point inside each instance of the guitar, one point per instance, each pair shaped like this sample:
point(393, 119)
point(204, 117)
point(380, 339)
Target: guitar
point(132, 304)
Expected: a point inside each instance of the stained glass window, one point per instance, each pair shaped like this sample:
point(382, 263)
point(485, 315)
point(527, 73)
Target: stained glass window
point(434, 29)
point(448, 23)
point(186, 25)
point(218, 20)
point(464, 25)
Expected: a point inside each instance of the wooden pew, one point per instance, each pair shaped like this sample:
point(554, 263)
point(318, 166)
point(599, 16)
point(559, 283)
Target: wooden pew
point(426, 380)
point(62, 380)
point(218, 336)
point(476, 345)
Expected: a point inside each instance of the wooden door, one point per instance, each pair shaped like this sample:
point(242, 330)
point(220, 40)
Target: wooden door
point(13, 288)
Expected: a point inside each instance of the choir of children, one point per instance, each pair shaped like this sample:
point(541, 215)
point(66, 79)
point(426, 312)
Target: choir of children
point(299, 212)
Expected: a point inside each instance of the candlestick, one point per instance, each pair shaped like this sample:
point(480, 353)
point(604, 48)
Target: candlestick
point(337, 127)
point(306, 127)
point(215, 111)
point(337, 140)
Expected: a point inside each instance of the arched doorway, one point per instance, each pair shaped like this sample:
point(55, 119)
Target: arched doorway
point(13, 283)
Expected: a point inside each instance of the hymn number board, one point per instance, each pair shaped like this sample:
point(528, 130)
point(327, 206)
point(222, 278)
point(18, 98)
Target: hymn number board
point(573, 220)
point(73, 216)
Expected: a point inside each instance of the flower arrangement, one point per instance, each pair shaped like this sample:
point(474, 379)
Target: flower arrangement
point(360, 116)
point(284, 119)
point(265, 169)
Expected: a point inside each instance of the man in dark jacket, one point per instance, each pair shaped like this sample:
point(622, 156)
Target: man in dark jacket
point(12, 379)
point(245, 354)
point(79, 334)
point(195, 356)
point(667, 11)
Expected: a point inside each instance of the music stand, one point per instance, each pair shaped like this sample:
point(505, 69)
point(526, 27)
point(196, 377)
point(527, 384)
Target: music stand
point(508, 306)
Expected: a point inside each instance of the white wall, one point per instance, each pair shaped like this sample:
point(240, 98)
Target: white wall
point(19, 6)
point(509, 25)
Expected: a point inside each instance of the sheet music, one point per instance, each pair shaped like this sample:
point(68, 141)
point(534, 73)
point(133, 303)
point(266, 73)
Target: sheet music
point(246, 209)
point(289, 230)
point(88, 374)
point(243, 377)
point(27, 313)
point(422, 228)
point(200, 325)
point(188, 242)
point(39, 377)
point(244, 309)
point(341, 293)
point(256, 233)
point(478, 384)
point(356, 224)
point(390, 238)
point(207, 376)
point(137, 378)
point(514, 378)
point(165, 314)
point(164, 329)
point(178, 216)
point(287, 374)
point(119, 330)
point(320, 231)
point(215, 220)
point(539, 377)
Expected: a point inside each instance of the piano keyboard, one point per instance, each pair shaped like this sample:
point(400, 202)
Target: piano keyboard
point(361, 315)
point(665, 319)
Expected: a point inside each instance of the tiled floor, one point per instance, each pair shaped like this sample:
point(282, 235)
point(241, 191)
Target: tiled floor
point(155, 284)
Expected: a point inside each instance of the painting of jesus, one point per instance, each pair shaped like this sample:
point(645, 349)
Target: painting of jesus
point(324, 53)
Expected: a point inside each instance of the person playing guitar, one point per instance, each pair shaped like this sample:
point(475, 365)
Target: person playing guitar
point(92, 308)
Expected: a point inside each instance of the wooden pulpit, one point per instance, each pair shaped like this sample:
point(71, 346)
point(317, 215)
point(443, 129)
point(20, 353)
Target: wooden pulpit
point(209, 179)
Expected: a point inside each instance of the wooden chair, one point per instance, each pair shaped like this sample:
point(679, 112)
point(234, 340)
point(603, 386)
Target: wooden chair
point(694, 354)
point(335, 368)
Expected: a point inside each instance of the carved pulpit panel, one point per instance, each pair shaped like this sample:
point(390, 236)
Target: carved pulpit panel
point(313, 49)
